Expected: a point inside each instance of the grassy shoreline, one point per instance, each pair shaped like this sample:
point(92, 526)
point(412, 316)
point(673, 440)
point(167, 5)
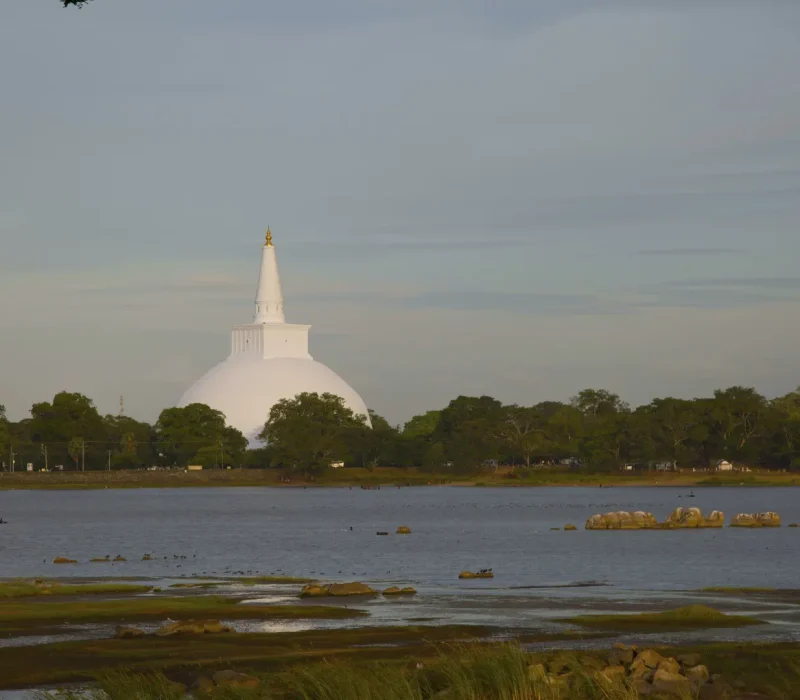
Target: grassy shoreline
point(387, 477)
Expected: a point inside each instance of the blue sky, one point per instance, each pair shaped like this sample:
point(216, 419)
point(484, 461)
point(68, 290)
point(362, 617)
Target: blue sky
point(521, 197)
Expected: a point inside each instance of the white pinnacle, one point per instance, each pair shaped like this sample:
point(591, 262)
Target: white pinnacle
point(269, 300)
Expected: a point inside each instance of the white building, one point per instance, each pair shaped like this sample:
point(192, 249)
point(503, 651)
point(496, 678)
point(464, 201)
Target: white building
point(724, 466)
point(269, 361)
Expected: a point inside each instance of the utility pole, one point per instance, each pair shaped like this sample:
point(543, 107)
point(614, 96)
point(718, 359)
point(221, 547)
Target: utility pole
point(44, 450)
point(11, 458)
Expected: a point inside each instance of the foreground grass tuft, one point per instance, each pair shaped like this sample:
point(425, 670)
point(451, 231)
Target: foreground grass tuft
point(699, 616)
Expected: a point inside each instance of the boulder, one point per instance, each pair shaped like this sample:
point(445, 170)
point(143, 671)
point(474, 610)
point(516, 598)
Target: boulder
point(716, 518)
point(128, 633)
point(232, 679)
point(100, 560)
point(394, 590)
point(120, 558)
point(64, 560)
point(596, 522)
point(768, 519)
point(642, 688)
point(478, 574)
point(744, 520)
point(671, 683)
point(647, 658)
point(570, 527)
point(313, 590)
point(686, 518)
point(793, 525)
point(216, 627)
point(403, 530)
point(670, 666)
point(620, 656)
point(347, 589)
point(644, 519)
point(697, 674)
point(147, 557)
point(689, 659)
point(641, 673)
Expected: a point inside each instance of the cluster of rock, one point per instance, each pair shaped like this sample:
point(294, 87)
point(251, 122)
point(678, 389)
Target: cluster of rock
point(680, 518)
point(185, 627)
point(317, 590)
point(768, 519)
point(394, 590)
point(645, 671)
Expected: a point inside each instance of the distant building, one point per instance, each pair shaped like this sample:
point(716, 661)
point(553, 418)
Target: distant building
point(195, 467)
point(337, 465)
point(724, 466)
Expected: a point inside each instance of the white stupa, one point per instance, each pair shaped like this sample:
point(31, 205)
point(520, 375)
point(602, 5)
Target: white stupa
point(269, 361)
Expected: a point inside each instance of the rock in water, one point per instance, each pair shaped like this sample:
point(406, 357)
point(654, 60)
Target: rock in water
point(314, 590)
point(569, 527)
point(769, 519)
point(478, 574)
point(64, 560)
point(403, 530)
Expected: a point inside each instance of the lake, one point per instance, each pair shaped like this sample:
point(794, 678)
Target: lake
point(331, 533)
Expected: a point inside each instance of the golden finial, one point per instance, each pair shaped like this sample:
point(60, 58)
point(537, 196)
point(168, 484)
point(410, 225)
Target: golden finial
point(269, 236)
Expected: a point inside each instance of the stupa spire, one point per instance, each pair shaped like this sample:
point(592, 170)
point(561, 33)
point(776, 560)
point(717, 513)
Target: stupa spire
point(269, 300)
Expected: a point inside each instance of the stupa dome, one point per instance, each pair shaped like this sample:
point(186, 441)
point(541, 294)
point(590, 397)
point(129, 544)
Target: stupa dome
point(269, 361)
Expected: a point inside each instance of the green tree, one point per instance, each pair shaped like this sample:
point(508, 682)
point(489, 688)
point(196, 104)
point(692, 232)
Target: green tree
point(310, 431)
point(469, 429)
point(182, 432)
point(740, 414)
point(523, 429)
point(423, 425)
point(783, 430)
point(671, 423)
point(69, 415)
point(598, 402)
point(373, 446)
point(76, 448)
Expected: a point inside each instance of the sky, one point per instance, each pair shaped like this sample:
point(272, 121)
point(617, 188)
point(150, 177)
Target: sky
point(520, 198)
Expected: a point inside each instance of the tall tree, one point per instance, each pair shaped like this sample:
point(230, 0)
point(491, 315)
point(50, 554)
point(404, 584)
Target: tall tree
point(374, 446)
point(181, 434)
point(523, 429)
point(469, 429)
point(598, 402)
point(310, 431)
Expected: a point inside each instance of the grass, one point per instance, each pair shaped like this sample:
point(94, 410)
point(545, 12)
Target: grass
point(67, 662)
point(21, 614)
point(29, 589)
point(692, 616)
point(388, 476)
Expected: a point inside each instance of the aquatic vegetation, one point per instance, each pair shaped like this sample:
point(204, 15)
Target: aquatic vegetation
point(691, 616)
point(40, 587)
point(19, 614)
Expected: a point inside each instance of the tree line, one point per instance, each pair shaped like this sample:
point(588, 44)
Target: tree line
point(595, 430)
